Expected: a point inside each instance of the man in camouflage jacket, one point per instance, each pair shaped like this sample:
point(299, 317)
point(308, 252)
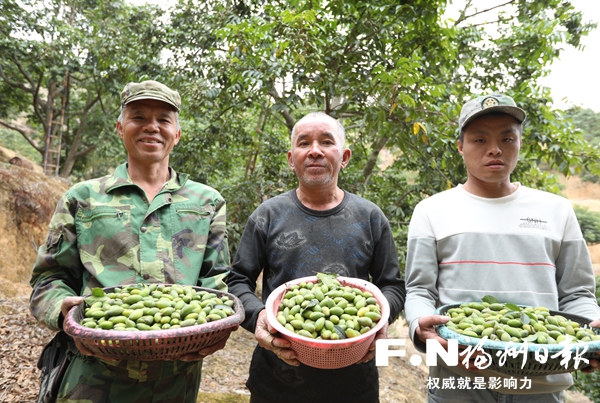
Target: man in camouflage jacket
point(143, 224)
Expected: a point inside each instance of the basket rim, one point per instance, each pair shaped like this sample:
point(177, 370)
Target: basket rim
point(444, 332)
point(76, 330)
point(350, 281)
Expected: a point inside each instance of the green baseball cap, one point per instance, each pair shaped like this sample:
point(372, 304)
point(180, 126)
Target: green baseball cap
point(150, 90)
point(487, 104)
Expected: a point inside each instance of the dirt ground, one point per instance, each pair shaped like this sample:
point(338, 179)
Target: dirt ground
point(585, 194)
point(226, 370)
point(27, 200)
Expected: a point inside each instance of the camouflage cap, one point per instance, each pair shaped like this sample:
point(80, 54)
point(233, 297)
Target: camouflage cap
point(150, 90)
point(488, 104)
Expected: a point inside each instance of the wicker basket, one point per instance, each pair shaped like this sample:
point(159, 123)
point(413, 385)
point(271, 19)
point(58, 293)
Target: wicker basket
point(153, 345)
point(527, 363)
point(328, 354)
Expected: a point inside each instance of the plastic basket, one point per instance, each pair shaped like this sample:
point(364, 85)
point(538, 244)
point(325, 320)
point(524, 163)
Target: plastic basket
point(328, 354)
point(527, 359)
point(153, 345)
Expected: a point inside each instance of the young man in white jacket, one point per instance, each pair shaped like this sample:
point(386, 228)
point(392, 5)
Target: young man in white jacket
point(491, 236)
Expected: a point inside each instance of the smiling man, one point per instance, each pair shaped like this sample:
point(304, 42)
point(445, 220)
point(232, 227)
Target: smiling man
point(145, 223)
point(317, 227)
point(492, 236)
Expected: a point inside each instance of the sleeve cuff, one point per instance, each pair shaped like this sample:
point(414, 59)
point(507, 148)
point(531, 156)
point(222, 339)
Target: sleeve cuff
point(53, 317)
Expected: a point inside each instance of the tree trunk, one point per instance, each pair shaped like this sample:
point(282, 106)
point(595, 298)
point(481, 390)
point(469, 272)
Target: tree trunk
point(372, 161)
point(67, 166)
point(74, 152)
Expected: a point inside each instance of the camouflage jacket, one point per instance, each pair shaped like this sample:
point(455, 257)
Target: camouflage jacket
point(104, 233)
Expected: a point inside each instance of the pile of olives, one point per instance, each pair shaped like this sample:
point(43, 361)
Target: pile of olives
point(510, 322)
point(154, 307)
point(328, 310)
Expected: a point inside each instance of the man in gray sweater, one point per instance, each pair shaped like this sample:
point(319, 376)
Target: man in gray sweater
point(316, 227)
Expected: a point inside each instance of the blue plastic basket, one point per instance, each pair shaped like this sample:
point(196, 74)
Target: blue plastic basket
point(527, 357)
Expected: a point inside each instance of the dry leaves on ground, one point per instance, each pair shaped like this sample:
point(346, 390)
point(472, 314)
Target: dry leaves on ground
point(21, 342)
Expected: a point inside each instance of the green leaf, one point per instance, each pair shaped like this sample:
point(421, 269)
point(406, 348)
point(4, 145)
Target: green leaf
point(313, 302)
point(340, 332)
point(97, 295)
point(98, 292)
point(532, 337)
point(490, 300)
point(327, 278)
point(525, 319)
point(531, 316)
point(513, 307)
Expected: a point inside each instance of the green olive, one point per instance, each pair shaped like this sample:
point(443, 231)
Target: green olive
point(329, 311)
point(154, 307)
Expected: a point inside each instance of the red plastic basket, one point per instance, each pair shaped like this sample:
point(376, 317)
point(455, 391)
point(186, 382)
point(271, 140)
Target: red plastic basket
point(153, 345)
point(328, 354)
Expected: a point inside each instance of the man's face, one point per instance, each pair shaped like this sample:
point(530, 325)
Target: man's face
point(490, 148)
point(317, 153)
point(149, 131)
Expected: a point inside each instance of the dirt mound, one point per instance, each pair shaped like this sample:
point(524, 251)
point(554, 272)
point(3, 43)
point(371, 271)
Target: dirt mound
point(27, 200)
point(585, 194)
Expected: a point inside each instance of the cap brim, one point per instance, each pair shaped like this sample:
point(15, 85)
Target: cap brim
point(139, 98)
point(513, 111)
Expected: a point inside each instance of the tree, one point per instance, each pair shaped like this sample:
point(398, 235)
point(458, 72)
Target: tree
point(66, 62)
point(396, 73)
point(589, 221)
point(588, 122)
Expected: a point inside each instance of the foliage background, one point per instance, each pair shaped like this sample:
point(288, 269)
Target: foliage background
point(395, 72)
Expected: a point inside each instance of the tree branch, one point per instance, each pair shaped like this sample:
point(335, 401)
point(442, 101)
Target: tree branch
point(86, 109)
point(74, 154)
point(25, 75)
point(24, 134)
point(36, 102)
point(404, 196)
point(85, 152)
point(372, 160)
point(12, 83)
point(289, 119)
point(486, 23)
point(416, 149)
point(463, 17)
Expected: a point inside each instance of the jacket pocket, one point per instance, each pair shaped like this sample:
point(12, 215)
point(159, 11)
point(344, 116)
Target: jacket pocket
point(104, 234)
point(190, 238)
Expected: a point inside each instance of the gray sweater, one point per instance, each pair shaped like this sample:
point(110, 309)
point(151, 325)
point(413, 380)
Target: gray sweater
point(285, 240)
